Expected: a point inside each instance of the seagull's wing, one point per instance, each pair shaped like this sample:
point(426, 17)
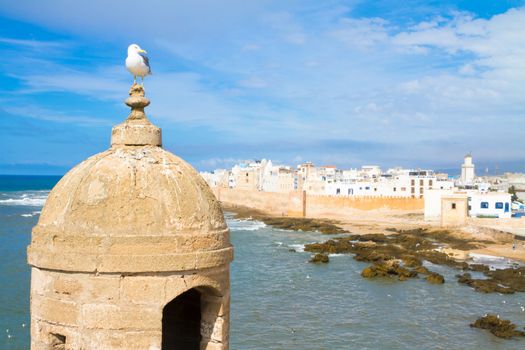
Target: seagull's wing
point(146, 60)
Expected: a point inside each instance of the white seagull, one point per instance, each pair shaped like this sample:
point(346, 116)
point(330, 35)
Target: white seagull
point(137, 62)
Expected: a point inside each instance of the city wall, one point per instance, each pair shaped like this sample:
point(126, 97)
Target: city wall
point(300, 204)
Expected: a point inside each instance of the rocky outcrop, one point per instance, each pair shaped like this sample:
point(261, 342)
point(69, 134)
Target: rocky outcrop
point(506, 281)
point(411, 248)
point(388, 269)
point(498, 327)
point(435, 278)
point(287, 222)
point(320, 258)
point(303, 224)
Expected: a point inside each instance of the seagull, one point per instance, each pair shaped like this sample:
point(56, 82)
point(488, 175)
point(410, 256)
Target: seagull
point(137, 62)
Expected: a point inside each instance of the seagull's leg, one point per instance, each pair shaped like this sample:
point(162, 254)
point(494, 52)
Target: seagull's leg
point(142, 81)
point(134, 79)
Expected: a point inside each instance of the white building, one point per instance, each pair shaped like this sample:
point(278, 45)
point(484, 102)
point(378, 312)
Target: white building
point(490, 204)
point(217, 178)
point(395, 182)
point(433, 202)
point(278, 179)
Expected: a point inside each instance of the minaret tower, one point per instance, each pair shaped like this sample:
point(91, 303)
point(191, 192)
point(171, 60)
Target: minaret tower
point(467, 170)
point(131, 251)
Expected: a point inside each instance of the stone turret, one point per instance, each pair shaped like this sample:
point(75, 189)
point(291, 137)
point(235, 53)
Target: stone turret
point(131, 251)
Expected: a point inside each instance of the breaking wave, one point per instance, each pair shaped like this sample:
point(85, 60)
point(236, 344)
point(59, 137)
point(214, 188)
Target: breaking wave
point(298, 247)
point(28, 215)
point(245, 225)
point(27, 198)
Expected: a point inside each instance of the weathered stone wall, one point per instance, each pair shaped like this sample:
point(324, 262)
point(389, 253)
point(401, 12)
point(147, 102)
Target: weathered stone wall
point(114, 311)
point(454, 210)
point(291, 204)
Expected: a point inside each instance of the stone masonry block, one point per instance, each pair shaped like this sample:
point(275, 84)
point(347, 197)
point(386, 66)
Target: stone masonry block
point(143, 290)
point(56, 311)
point(113, 317)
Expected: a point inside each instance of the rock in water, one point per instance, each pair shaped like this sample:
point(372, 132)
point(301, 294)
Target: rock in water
point(435, 278)
point(487, 285)
point(369, 272)
point(388, 268)
point(320, 258)
point(498, 327)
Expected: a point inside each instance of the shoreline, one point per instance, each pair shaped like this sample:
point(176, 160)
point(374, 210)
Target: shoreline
point(401, 252)
point(489, 241)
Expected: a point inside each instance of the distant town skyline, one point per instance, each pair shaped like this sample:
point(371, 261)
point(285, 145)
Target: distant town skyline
point(349, 83)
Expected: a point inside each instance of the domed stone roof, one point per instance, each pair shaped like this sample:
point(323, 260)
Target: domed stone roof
point(146, 188)
point(134, 207)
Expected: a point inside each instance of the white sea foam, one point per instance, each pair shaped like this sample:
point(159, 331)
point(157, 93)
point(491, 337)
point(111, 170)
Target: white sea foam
point(28, 215)
point(246, 225)
point(31, 199)
point(298, 247)
point(476, 256)
point(492, 261)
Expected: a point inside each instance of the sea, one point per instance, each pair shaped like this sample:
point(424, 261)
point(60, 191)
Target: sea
point(278, 299)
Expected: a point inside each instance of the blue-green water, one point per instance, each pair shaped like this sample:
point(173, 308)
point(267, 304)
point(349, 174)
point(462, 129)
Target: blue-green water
point(280, 301)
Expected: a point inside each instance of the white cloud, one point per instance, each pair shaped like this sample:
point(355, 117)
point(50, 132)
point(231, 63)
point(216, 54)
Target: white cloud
point(261, 73)
point(216, 163)
point(362, 33)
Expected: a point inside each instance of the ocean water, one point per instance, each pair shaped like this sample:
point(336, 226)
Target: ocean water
point(279, 300)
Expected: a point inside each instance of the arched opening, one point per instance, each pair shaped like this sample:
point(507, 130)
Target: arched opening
point(181, 322)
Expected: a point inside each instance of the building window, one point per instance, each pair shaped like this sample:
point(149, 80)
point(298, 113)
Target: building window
point(430, 183)
point(421, 190)
point(375, 189)
point(412, 182)
point(420, 182)
point(394, 189)
point(367, 188)
point(412, 190)
point(453, 205)
point(484, 205)
point(499, 205)
point(338, 191)
point(403, 189)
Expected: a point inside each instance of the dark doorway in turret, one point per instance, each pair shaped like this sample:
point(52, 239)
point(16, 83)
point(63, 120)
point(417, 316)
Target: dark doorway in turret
point(181, 322)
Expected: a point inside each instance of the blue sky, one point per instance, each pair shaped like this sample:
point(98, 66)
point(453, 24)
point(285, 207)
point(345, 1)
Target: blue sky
point(395, 83)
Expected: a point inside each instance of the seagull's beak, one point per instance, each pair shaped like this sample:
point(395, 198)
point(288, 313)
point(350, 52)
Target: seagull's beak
point(143, 51)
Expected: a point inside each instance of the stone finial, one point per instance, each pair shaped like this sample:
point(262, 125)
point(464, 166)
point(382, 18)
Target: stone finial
point(137, 102)
point(136, 130)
